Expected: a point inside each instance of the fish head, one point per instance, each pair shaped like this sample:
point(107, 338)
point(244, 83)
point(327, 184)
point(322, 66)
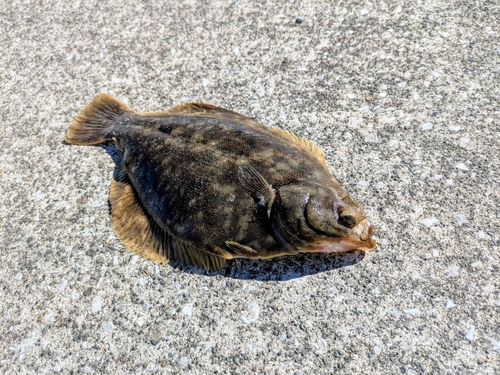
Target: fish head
point(314, 218)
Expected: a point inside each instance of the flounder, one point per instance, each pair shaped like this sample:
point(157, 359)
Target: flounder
point(198, 184)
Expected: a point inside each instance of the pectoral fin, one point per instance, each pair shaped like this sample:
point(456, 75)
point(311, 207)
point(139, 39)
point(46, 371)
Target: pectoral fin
point(256, 185)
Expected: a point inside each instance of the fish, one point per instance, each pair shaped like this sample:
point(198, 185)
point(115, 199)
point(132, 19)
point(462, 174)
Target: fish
point(199, 185)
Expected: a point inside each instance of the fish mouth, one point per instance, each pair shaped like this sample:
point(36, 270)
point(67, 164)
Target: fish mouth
point(365, 231)
point(359, 239)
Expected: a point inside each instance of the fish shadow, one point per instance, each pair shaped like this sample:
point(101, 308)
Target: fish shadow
point(283, 268)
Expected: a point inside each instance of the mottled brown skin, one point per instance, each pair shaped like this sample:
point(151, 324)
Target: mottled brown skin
point(186, 167)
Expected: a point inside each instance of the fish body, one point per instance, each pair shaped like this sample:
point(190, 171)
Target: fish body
point(199, 184)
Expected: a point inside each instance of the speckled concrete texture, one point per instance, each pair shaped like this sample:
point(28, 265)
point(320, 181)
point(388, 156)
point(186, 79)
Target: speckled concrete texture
point(403, 97)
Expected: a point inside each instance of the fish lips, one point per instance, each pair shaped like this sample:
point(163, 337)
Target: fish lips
point(365, 231)
point(360, 238)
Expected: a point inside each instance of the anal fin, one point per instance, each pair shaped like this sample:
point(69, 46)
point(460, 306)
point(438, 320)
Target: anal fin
point(139, 232)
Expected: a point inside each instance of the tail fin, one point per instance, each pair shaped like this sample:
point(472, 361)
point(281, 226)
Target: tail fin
point(91, 125)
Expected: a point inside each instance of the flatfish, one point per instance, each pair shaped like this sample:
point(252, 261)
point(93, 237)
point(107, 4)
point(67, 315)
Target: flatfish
point(199, 185)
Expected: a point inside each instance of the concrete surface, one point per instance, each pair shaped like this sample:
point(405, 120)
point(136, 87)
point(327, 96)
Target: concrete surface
point(403, 96)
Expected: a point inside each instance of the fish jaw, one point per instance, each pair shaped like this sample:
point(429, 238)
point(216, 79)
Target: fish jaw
point(364, 231)
point(329, 247)
point(360, 238)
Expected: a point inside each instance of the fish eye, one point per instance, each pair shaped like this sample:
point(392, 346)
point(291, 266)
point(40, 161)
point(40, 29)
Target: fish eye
point(347, 221)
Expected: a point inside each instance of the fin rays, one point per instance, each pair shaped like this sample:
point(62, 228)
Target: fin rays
point(138, 231)
point(91, 125)
point(304, 144)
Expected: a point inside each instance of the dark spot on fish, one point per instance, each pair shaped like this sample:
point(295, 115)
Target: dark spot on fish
point(251, 142)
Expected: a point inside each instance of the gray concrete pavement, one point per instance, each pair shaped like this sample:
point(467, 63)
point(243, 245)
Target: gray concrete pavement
point(403, 97)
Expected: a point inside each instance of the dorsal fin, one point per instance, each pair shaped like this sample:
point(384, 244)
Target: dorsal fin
point(192, 108)
point(195, 107)
point(302, 143)
point(225, 114)
point(209, 110)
